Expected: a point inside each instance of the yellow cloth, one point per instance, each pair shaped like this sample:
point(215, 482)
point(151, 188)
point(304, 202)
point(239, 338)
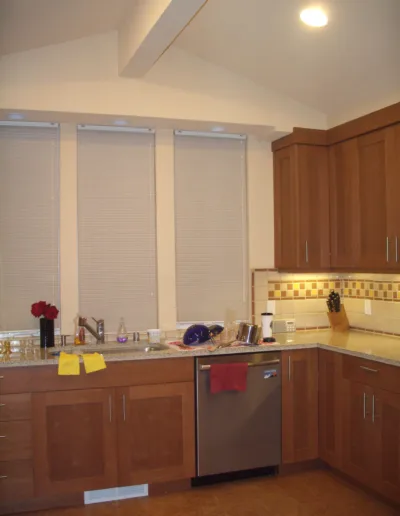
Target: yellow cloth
point(93, 362)
point(68, 364)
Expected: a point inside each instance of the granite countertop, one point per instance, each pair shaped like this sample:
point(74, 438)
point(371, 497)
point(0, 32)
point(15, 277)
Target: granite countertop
point(380, 348)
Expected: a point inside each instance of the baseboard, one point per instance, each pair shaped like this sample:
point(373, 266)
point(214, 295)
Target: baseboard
point(41, 504)
point(298, 467)
point(175, 486)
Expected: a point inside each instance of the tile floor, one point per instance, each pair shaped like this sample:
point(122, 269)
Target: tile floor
point(316, 493)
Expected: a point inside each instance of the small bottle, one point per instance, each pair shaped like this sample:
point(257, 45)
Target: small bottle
point(77, 340)
point(122, 334)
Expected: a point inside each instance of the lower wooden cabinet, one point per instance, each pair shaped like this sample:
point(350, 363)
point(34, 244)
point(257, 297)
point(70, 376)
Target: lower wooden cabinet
point(101, 438)
point(299, 405)
point(156, 433)
point(386, 424)
point(75, 447)
point(358, 433)
point(330, 398)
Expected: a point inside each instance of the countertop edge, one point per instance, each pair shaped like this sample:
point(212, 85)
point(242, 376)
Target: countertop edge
point(202, 353)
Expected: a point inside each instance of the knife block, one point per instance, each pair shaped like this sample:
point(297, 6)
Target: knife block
point(338, 320)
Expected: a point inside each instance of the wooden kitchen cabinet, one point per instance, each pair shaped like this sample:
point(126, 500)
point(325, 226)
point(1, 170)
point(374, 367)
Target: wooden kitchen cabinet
point(358, 432)
point(156, 433)
point(386, 447)
point(299, 405)
point(301, 207)
point(344, 178)
point(286, 209)
point(330, 403)
point(75, 447)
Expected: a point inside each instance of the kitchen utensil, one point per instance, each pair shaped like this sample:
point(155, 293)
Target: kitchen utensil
point(333, 301)
point(196, 334)
point(266, 322)
point(249, 333)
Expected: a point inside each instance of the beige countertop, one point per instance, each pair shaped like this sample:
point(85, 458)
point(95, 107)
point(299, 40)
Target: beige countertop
point(381, 348)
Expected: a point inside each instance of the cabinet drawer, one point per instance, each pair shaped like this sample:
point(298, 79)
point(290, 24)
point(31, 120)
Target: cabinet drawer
point(16, 480)
point(371, 373)
point(15, 407)
point(15, 440)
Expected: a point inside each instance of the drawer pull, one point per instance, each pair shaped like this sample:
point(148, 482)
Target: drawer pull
point(1, 377)
point(2, 404)
point(3, 477)
point(369, 369)
point(3, 436)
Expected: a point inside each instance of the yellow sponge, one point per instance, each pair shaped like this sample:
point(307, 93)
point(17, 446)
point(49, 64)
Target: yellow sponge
point(93, 362)
point(68, 364)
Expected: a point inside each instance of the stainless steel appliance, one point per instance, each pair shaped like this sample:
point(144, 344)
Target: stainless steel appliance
point(239, 430)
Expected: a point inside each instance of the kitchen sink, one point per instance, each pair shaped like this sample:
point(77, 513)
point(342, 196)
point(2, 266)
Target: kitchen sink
point(146, 348)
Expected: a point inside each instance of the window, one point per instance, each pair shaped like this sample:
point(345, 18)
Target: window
point(116, 227)
point(29, 222)
point(210, 214)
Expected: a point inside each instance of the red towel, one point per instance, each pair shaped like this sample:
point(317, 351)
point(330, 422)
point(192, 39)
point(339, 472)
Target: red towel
point(228, 377)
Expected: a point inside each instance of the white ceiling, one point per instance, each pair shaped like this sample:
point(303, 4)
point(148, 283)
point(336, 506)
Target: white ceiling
point(349, 66)
point(26, 24)
point(355, 60)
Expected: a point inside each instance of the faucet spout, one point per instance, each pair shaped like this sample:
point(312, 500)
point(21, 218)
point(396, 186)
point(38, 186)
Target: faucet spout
point(98, 334)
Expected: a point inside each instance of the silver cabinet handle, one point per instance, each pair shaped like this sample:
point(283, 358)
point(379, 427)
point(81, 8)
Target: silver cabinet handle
point(373, 408)
point(207, 367)
point(306, 251)
point(2, 404)
point(369, 369)
point(364, 405)
point(290, 368)
point(1, 377)
point(110, 407)
point(3, 436)
point(397, 250)
point(124, 407)
point(387, 249)
point(3, 477)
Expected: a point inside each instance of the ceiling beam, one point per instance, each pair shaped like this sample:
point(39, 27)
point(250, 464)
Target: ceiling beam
point(149, 30)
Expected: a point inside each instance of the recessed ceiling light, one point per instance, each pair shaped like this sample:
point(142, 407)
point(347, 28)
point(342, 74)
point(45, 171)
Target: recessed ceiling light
point(218, 129)
point(15, 116)
point(314, 17)
point(120, 122)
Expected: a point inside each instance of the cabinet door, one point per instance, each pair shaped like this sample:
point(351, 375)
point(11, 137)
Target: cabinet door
point(330, 407)
point(358, 432)
point(285, 209)
point(74, 441)
point(156, 433)
point(386, 419)
point(344, 204)
point(393, 189)
point(312, 169)
point(299, 405)
point(374, 236)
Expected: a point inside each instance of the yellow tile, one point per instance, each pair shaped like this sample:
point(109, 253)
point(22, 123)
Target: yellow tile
point(296, 286)
point(277, 294)
point(314, 293)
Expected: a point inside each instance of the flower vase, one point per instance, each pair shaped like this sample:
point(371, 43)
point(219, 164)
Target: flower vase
point(46, 333)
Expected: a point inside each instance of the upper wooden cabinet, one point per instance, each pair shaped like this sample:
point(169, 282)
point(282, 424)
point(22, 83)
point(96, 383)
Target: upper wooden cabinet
point(365, 217)
point(301, 209)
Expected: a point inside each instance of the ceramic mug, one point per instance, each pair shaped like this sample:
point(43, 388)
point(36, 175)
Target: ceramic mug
point(154, 336)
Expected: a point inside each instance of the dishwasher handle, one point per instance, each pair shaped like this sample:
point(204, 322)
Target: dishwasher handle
point(275, 361)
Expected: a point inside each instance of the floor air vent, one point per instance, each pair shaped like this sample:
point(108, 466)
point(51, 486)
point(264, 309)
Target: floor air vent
point(116, 493)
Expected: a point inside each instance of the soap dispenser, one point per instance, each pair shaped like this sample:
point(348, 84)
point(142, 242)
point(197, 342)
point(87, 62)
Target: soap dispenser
point(122, 334)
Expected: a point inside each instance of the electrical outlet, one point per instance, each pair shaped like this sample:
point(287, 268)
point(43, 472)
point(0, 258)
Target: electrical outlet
point(367, 307)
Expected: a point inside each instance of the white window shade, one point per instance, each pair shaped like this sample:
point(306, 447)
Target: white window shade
point(117, 228)
point(211, 236)
point(29, 223)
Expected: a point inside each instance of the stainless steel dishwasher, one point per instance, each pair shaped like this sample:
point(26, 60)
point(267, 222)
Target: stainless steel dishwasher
point(239, 430)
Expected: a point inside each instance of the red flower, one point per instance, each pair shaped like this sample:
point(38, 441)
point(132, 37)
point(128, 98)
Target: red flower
point(38, 309)
point(51, 312)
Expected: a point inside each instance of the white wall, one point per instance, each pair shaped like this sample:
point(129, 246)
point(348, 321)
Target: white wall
point(82, 77)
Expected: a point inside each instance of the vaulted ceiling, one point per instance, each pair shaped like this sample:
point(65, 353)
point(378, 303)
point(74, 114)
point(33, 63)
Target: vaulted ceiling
point(352, 64)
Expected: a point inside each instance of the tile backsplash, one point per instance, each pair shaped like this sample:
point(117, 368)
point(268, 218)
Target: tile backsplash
point(302, 297)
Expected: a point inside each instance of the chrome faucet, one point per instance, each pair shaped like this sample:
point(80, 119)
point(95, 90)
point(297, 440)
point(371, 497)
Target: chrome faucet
point(98, 333)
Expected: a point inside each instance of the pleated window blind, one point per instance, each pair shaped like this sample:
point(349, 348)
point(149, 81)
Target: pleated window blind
point(29, 223)
point(117, 228)
point(211, 235)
